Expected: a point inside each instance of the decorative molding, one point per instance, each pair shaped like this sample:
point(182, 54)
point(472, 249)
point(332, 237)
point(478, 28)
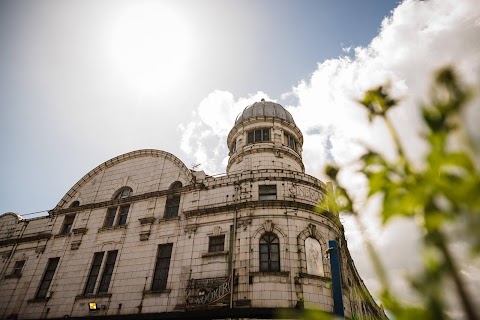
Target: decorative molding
point(147, 220)
point(313, 230)
point(40, 249)
point(144, 235)
point(217, 231)
point(214, 254)
point(244, 222)
point(268, 226)
point(79, 231)
point(75, 244)
point(37, 237)
point(190, 229)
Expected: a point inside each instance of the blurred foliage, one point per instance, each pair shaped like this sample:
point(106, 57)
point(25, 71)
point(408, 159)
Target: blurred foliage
point(441, 192)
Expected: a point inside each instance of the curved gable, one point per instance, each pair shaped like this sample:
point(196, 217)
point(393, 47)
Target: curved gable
point(69, 196)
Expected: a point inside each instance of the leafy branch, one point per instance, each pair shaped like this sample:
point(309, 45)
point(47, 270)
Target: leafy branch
point(444, 192)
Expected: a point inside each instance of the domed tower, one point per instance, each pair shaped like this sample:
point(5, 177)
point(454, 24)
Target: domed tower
point(265, 136)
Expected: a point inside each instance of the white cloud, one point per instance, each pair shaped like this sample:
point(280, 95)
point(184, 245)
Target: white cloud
point(417, 39)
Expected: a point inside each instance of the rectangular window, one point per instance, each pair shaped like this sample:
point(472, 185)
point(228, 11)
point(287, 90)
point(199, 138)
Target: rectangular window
point(123, 214)
point(266, 135)
point(110, 218)
point(216, 244)
point(162, 266)
point(171, 208)
point(47, 278)
point(67, 224)
point(94, 271)
point(250, 137)
point(267, 192)
point(107, 271)
point(259, 135)
point(17, 269)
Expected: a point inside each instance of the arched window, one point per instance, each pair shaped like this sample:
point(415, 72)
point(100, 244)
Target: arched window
point(313, 252)
point(124, 192)
point(173, 201)
point(75, 204)
point(117, 216)
point(269, 253)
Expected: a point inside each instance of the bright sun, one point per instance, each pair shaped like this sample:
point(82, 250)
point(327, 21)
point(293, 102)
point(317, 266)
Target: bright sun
point(150, 47)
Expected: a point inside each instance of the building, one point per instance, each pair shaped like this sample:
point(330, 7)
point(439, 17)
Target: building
point(143, 234)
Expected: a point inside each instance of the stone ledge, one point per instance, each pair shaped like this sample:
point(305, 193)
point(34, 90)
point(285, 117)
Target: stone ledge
point(214, 254)
point(157, 292)
point(103, 229)
point(62, 235)
point(312, 276)
point(93, 296)
point(270, 273)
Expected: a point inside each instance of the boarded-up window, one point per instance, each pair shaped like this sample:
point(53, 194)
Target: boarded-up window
point(313, 252)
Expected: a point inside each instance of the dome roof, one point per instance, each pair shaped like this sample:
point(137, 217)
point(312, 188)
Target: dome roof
point(264, 109)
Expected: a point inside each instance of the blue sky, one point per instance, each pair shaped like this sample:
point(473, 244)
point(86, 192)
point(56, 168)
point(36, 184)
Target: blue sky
point(66, 109)
point(82, 82)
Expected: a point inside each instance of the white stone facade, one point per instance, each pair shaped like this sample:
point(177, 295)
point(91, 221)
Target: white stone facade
point(264, 192)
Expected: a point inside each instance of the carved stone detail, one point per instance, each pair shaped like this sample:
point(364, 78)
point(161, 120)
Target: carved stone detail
point(78, 231)
point(244, 222)
point(190, 229)
point(313, 230)
point(148, 220)
point(75, 244)
point(217, 231)
point(268, 226)
point(144, 236)
point(40, 249)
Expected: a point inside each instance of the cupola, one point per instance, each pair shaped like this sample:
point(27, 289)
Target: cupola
point(265, 136)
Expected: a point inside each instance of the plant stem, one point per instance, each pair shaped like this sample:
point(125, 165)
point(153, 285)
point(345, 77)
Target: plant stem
point(464, 297)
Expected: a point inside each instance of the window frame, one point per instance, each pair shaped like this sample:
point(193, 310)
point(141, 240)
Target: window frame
point(67, 225)
point(47, 278)
point(101, 271)
point(95, 268)
point(162, 267)
point(172, 203)
point(216, 247)
point(269, 243)
point(259, 135)
point(265, 194)
point(118, 215)
point(107, 273)
point(18, 268)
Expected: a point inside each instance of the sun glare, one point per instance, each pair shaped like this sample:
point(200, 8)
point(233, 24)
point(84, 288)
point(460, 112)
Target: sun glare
point(150, 47)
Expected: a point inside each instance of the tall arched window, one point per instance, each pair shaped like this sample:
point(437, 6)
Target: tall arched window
point(117, 216)
point(173, 201)
point(269, 253)
point(313, 252)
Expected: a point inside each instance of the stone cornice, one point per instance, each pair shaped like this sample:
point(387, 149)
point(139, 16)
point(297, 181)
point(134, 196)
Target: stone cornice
point(37, 237)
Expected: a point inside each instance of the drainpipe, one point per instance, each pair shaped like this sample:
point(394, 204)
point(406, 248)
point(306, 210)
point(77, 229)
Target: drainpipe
point(333, 250)
point(233, 235)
